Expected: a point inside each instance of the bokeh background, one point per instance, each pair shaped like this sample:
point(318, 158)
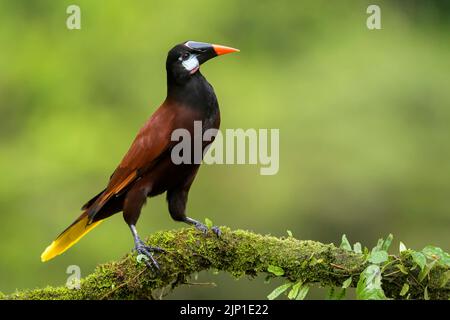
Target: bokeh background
point(364, 119)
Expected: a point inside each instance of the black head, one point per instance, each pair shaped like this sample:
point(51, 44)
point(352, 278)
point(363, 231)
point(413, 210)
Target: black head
point(184, 60)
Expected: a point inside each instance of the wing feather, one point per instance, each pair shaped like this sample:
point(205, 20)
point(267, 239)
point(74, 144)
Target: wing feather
point(150, 143)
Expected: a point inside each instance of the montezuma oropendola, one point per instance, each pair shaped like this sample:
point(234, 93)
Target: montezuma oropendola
point(147, 169)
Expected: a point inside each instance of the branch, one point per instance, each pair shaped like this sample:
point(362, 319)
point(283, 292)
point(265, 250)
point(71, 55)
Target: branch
point(240, 253)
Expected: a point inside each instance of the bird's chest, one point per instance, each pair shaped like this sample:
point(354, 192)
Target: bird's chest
point(211, 120)
point(201, 115)
point(210, 111)
point(199, 103)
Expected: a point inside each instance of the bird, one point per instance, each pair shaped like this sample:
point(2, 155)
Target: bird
point(147, 169)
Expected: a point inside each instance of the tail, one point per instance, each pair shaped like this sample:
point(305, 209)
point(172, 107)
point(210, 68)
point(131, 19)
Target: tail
point(69, 237)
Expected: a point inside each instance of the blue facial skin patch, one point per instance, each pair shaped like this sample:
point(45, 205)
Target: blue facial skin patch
point(191, 63)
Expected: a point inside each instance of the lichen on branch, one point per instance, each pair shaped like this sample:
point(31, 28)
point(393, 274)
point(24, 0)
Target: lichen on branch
point(239, 253)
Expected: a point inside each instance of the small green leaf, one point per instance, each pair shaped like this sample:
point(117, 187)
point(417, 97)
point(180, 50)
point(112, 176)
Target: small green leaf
point(379, 245)
point(208, 223)
point(289, 232)
point(278, 271)
point(357, 248)
point(279, 290)
point(141, 257)
point(369, 284)
point(425, 294)
point(402, 247)
point(378, 257)
point(294, 291)
point(432, 252)
point(438, 254)
point(419, 258)
point(444, 278)
point(302, 292)
point(387, 242)
point(402, 268)
point(405, 289)
point(347, 283)
point(345, 244)
point(426, 270)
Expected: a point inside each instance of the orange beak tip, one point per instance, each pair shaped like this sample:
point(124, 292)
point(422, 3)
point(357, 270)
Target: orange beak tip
point(220, 50)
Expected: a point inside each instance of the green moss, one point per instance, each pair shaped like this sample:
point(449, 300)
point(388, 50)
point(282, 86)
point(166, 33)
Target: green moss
point(237, 252)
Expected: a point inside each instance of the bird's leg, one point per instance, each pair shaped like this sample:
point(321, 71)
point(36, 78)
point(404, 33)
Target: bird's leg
point(177, 199)
point(142, 248)
point(200, 226)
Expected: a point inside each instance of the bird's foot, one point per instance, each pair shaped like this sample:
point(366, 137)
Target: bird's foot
point(200, 227)
point(147, 251)
point(203, 228)
point(216, 230)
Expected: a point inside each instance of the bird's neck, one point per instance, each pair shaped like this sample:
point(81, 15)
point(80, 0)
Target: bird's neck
point(195, 93)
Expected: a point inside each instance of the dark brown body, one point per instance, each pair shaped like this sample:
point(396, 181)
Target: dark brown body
point(147, 169)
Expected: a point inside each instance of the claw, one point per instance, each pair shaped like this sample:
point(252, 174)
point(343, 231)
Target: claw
point(142, 248)
point(216, 230)
point(201, 227)
point(147, 251)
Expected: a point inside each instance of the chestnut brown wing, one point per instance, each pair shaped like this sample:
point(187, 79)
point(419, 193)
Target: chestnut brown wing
point(152, 141)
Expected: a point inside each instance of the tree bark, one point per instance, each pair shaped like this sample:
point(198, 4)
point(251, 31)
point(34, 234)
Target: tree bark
point(240, 253)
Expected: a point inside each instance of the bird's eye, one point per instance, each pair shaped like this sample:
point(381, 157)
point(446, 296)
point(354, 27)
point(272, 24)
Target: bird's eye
point(185, 55)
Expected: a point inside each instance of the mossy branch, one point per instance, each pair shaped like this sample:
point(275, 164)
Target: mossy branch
point(240, 253)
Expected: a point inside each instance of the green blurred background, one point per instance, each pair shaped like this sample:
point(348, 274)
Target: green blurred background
point(364, 119)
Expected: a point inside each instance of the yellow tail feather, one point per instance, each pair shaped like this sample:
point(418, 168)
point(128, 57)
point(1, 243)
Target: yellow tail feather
point(69, 237)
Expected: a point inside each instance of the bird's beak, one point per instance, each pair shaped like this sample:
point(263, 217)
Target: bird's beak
point(207, 51)
point(220, 50)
